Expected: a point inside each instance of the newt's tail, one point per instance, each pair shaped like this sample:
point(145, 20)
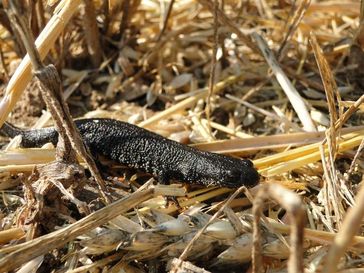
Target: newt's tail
point(10, 130)
point(30, 138)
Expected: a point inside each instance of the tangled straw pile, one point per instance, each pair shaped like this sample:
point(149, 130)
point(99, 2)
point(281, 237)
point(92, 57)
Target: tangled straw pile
point(279, 82)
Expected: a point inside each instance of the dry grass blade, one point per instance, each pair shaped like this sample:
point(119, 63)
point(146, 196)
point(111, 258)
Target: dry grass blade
point(165, 21)
point(203, 128)
point(10, 234)
point(335, 6)
point(327, 79)
point(292, 25)
point(356, 157)
point(307, 158)
point(298, 157)
point(249, 143)
point(348, 113)
point(99, 264)
point(225, 129)
point(317, 236)
point(351, 103)
point(296, 100)
point(344, 238)
point(331, 92)
point(331, 189)
point(213, 66)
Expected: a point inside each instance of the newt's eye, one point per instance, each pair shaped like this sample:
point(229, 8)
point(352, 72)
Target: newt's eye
point(247, 163)
point(233, 173)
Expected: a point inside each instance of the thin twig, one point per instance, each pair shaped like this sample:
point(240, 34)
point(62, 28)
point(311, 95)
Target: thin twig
point(125, 18)
point(357, 154)
point(213, 66)
point(92, 33)
point(40, 14)
point(292, 26)
point(347, 114)
point(165, 21)
point(2, 63)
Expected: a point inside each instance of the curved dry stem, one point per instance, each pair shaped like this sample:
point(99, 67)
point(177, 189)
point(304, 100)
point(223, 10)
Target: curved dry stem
point(344, 238)
point(296, 211)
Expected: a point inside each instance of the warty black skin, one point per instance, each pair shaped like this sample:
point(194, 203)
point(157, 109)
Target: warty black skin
point(141, 149)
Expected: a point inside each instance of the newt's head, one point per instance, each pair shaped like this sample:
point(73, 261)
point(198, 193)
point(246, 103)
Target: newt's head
point(226, 171)
point(240, 173)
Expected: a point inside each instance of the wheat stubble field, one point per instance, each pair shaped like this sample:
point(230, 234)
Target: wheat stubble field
point(277, 82)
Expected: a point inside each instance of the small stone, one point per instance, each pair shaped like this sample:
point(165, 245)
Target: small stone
point(248, 120)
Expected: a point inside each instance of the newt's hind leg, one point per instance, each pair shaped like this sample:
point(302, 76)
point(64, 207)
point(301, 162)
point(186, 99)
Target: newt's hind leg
point(164, 179)
point(97, 159)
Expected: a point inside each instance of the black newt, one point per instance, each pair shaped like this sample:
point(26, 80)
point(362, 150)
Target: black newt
point(141, 149)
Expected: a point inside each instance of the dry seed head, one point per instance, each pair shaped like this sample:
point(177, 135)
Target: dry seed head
point(203, 245)
point(221, 230)
point(124, 267)
point(239, 252)
point(155, 217)
point(98, 250)
point(106, 241)
point(124, 223)
point(106, 237)
point(199, 249)
point(276, 249)
point(142, 255)
point(144, 240)
point(173, 228)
